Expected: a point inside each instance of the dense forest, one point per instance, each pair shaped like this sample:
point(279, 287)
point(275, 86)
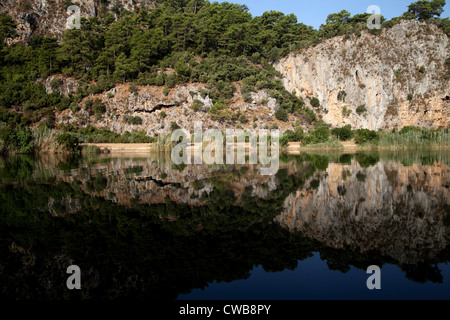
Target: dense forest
point(213, 43)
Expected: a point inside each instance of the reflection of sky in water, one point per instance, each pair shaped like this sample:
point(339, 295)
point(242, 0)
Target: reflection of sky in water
point(313, 280)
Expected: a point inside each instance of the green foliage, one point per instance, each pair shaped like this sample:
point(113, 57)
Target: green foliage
point(162, 114)
point(361, 109)
point(133, 120)
point(342, 95)
point(319, 135)
point(291, 136)
point(220, 112)
point(174, 126)
point(274, 126)
point(365, 135)
point(425, 9)
point(69, 141)
point(99, 107)
point(343, 134)
point(197, 105)
point(408, 129)
point(281, 114)
point(23, 141)
point(315, 102)
point(243, 118)
point(346, 111)
point(56, 83)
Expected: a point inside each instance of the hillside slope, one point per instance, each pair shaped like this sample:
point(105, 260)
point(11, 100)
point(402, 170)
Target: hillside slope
point(49, 17)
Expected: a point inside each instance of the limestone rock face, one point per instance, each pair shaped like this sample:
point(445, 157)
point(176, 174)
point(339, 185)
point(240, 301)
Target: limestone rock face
point(158, 110)
point(397, 78)
point(60, 85)
point(49, 17)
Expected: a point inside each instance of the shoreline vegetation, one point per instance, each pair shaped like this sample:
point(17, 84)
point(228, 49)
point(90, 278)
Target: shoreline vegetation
point(91, 140)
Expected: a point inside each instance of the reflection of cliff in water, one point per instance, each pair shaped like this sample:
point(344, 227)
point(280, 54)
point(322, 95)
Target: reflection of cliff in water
point(399, 211)
point(143, 228)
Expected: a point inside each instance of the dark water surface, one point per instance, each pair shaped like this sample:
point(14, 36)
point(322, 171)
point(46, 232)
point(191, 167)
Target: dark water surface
point(141, 227)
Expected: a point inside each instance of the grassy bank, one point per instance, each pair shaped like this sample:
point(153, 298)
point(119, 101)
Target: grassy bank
point(410, 138)
point(364, 139)
point(331, 144)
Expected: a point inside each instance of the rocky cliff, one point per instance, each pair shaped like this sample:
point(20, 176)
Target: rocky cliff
point(49, 17)
point(158, 110)
point(385, 81)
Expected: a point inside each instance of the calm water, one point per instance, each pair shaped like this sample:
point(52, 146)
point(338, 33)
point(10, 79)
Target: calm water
point(143, 228)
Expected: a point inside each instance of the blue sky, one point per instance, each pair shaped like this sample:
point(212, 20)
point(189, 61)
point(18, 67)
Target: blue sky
point(315, 12)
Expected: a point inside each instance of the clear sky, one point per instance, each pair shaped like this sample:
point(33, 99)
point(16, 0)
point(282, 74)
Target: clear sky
point(315, 12)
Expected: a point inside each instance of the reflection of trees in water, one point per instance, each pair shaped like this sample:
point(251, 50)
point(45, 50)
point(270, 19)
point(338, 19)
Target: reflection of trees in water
point(156, 251)
point(423, 272)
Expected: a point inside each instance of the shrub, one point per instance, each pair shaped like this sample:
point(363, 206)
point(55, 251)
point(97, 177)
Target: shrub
point(346, 111)
point(247, 97)
point(23, 141)
point(341, 96)
point(320, 135)
point(315, 102)
point(365, 135)
point(166, 91)
point(408, 129)
point(197, 105)
point(133, 88)
point(361, 109)
point(133, 120)
point(291, 136)
point(309, 114)
point(56, 83)
point(220, 112)
point(281, 114)
point(94, 89)
point(99, 107)
point(243, 118)
point(344, 134)
point(162, 114)
point(88, 104)
point(174, 126)
point(422, 69)
point(69, 141)
point(74, 107)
